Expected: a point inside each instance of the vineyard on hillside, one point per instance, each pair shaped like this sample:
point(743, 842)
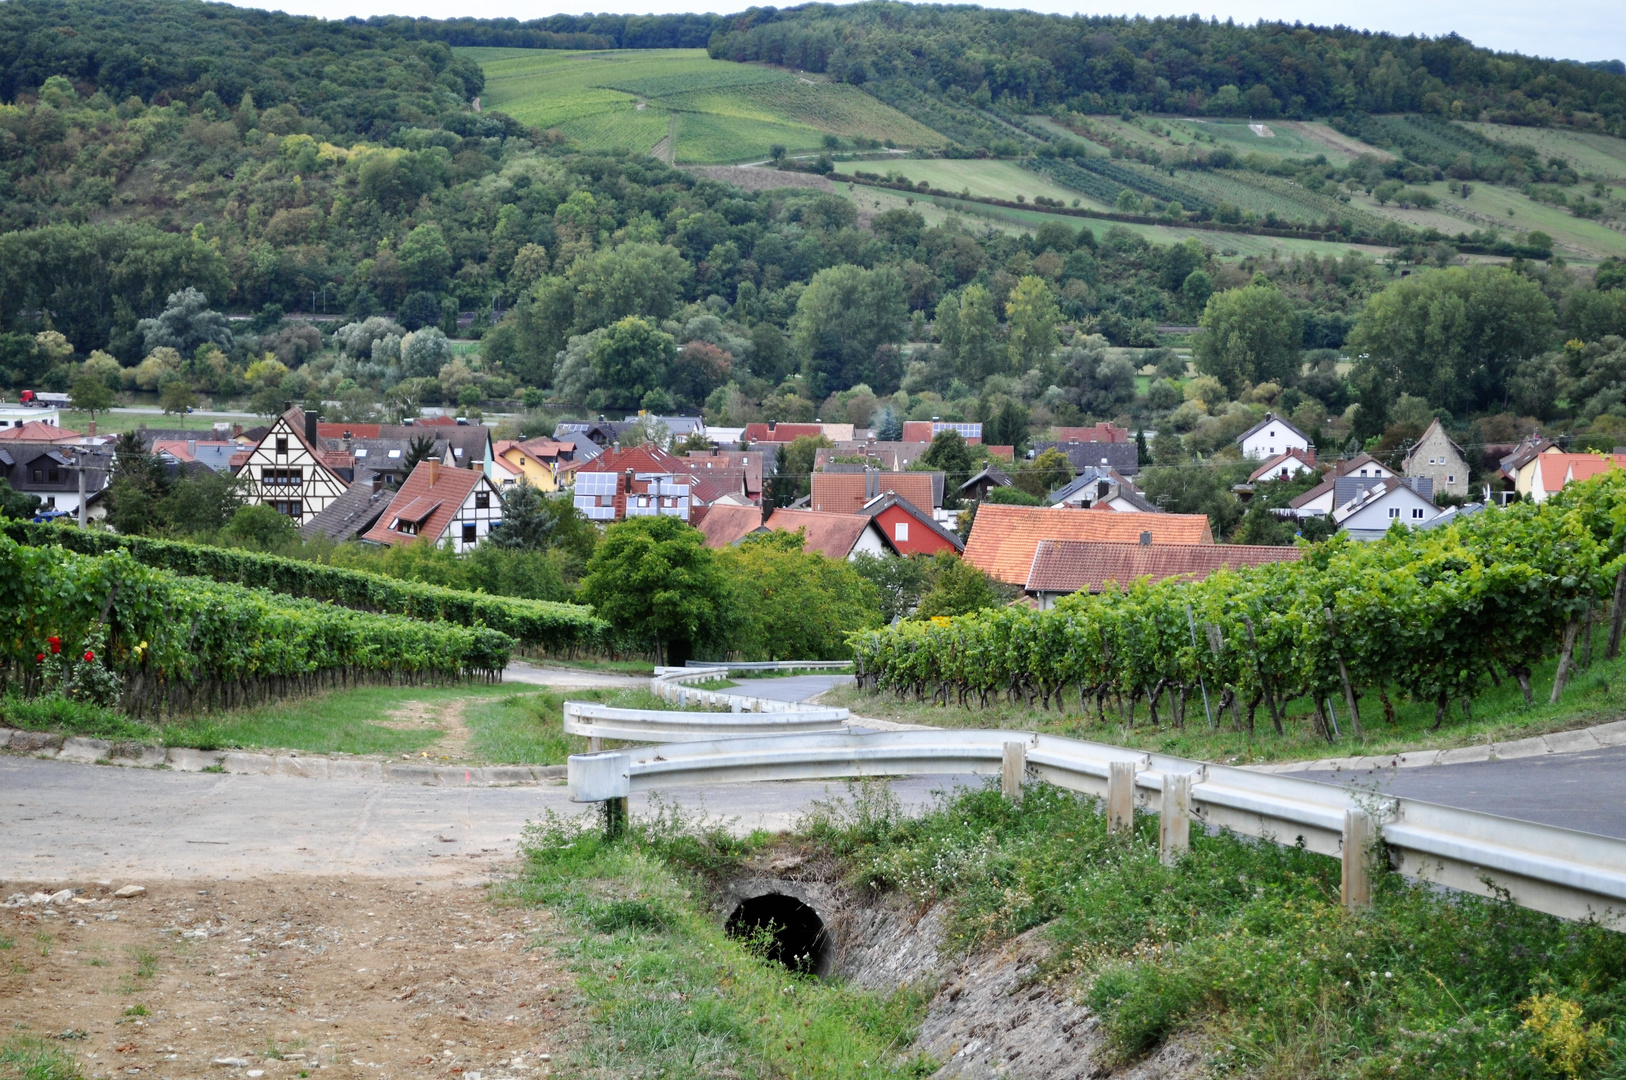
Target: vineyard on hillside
point(622, 100)
point(1431, 615)
point(107, 630)
point(537, 624)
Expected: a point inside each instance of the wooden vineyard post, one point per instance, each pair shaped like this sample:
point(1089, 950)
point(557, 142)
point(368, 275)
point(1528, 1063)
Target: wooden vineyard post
point(1121, 797)
point(1357, 885)
point(1617, 617)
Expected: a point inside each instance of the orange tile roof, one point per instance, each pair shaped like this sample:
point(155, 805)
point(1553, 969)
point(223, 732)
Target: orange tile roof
point(647, 458)
point(1107, 432)
point(433, 504)
point(1067, 566)
point(839, 493)
point(326, 430)
point(724, 524)
point(846, 493)
point(834, 535)
point(1004, 538)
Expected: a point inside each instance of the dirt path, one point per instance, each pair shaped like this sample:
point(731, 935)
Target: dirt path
point(445, 717)
point(285, 975)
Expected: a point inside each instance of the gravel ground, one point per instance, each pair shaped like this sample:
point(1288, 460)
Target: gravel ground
point(289, 977)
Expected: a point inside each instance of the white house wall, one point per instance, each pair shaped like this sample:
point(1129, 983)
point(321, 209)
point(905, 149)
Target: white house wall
point(484, 519)
point(266, 469)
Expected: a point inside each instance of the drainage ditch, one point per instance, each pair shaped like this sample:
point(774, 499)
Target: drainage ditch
point(788, 931)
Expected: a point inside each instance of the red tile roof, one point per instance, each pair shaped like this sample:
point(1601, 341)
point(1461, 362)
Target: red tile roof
point(1099, 433)
point(724, 524)
point(1275, 463)
point(39, 431)
point(432, 504)
point(780, 432)
point(1005, 453)
point(326, 430)
point(1004, 538)
point(1067, 566)
point(834, 535)
point(647, 458)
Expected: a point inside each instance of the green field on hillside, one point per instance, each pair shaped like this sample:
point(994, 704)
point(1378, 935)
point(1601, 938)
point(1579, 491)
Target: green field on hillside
point(1591, 155)
point(988, 179)
point(726, 112)
point(1010, 219)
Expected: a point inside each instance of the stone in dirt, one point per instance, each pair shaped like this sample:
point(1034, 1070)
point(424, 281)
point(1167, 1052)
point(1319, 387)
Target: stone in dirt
point(234, 1063)
point(129, 891)
point(60, 897)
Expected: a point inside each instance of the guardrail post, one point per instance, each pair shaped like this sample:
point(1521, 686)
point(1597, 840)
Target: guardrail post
point(1013, 770)
point(615, 818)
point(594, 744)
point(1121, 797)
point(1174, 822)
point(1357, 885)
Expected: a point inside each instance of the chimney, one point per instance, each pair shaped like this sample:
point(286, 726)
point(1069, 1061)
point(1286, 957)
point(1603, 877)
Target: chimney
point(192, 448)
point(378, 482)
point(1145, 539)
point(310, 429)
point(434, 472)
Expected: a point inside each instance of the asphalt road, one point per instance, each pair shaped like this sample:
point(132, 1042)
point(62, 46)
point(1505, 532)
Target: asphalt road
point(61, 821)
point(793, 688)
point(1581, 791)
point(66, 822)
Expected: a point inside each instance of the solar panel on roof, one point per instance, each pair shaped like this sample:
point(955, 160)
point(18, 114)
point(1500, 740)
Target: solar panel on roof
point(595, 483)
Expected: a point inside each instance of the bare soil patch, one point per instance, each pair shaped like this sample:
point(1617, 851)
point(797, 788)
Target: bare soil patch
point(760, 179)
point(445, 717)
point(290, 975)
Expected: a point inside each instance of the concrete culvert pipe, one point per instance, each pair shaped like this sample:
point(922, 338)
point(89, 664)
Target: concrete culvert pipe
point(799, 940)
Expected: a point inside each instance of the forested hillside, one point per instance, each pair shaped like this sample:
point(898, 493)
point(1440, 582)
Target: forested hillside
point(275, 165)
point(1186, 65)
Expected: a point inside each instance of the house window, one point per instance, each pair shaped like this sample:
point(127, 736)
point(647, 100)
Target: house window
point(50, 502)
point(39, 476)
point(900, 532)
point(1417, 512)
point(469, 535)
point(282, 444)
point(482, 500)
point(1394, 511)
point(1450, 478)
point(55, 476)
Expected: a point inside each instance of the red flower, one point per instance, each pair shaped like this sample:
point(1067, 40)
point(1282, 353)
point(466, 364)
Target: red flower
point(40, 659)
point(89, 656)
point(55, 643)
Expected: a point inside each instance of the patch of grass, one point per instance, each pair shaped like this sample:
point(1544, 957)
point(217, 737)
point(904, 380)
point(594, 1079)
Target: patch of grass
point(673, 996)
point(137, 1010)
point(25, 1058)
point(1246, 946)
point(1595, 695)
point(7, 943)
point(80, 718)
point(528, 728)
point(343, 721)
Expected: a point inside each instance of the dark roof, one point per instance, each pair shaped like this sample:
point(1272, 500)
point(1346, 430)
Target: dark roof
point(1122, 456)
point(1097, 474)
point(1068, 566)
point(994, 476)
point(890, 499)
point(1272, 418)
point(352, 513)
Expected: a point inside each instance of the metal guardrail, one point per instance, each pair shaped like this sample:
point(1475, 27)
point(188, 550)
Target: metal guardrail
point(675, 685)
point(1559, 871)
point(773, 665)
point(661, 726)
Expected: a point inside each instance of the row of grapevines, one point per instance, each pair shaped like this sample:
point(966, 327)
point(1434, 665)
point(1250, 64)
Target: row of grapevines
point(176, 643)
point(536, 623)
point(1436, 614)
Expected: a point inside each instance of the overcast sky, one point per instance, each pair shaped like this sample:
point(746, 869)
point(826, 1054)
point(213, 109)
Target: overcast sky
point(1575, 29)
